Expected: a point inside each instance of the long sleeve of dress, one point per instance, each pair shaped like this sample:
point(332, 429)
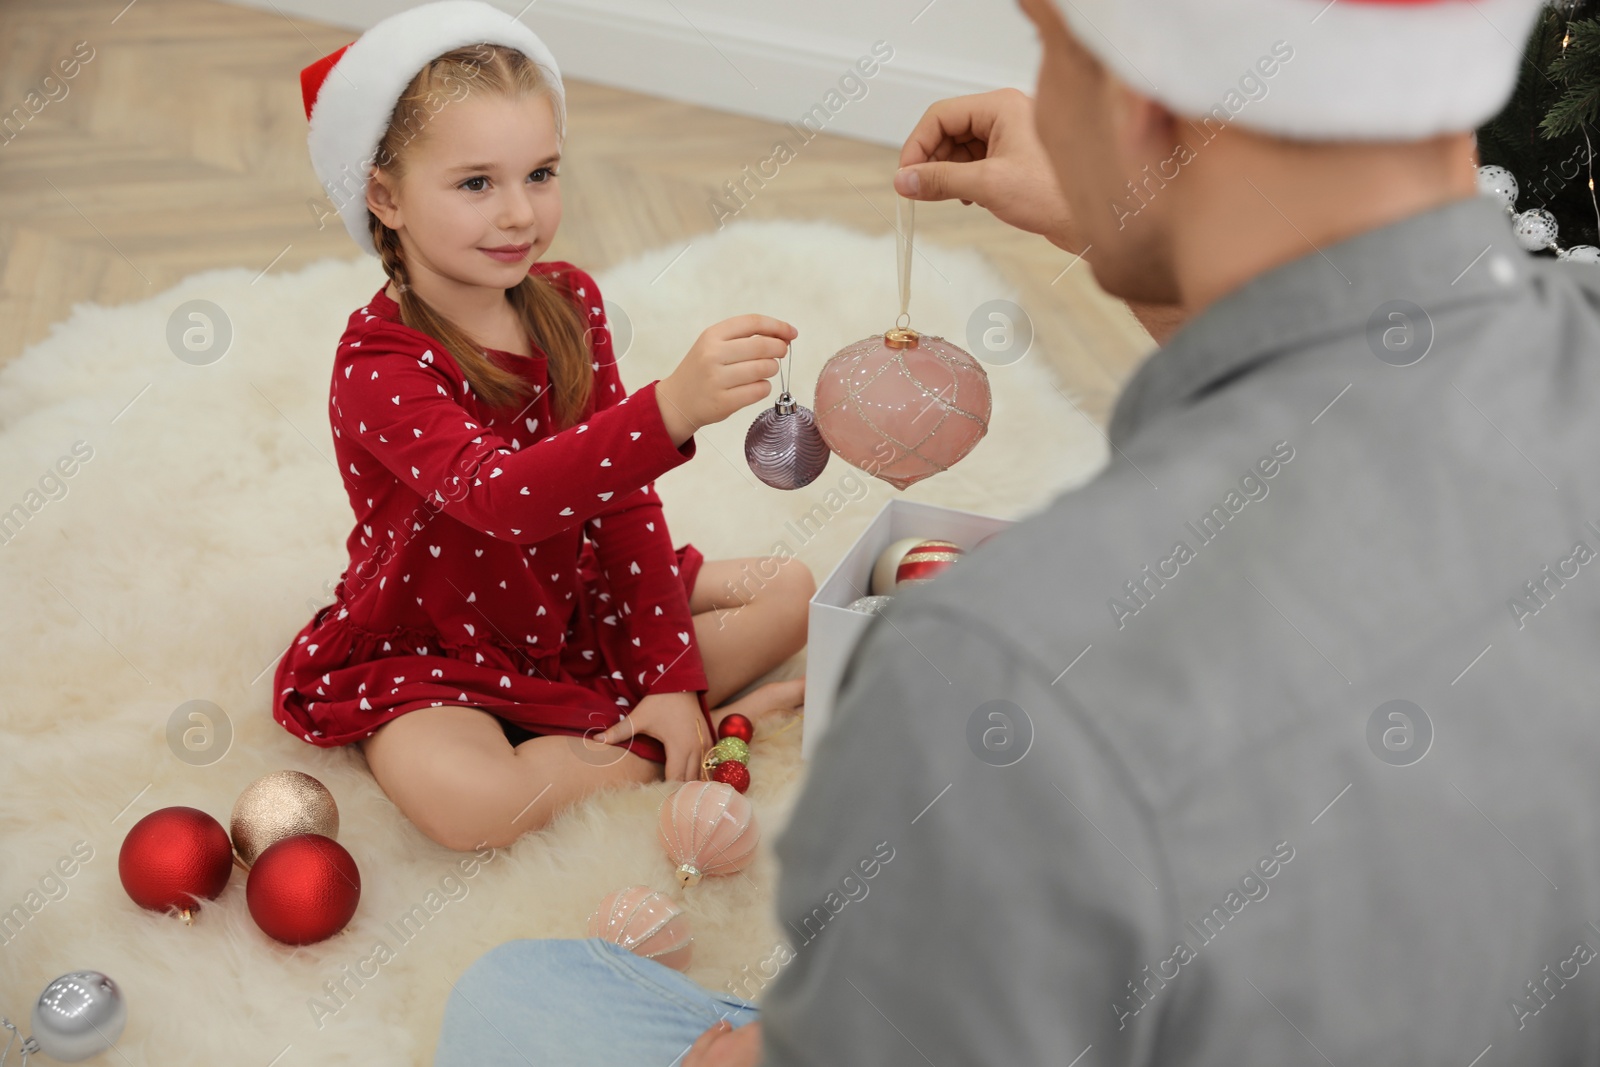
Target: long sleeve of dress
point(394, 397)
point(635, 550)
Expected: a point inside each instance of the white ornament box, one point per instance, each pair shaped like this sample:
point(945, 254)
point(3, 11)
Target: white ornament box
point(832, 628)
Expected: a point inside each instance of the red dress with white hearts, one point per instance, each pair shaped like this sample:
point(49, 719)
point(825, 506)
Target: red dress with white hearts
point(493, 563)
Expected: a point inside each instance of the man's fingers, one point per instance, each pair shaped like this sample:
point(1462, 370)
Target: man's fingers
point(949, 123)
point(702, 1044)
point(942, 181)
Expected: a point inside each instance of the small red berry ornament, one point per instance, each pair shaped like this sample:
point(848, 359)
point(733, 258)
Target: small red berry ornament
point(733, 773)
point(174, 858)
point(303, 889)
point(736, 725)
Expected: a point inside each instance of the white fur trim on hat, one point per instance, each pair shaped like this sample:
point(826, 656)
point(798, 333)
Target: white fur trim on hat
point(357, 98)
point(1356, 69)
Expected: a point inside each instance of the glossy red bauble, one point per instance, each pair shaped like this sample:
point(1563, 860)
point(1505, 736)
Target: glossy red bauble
point(175, 858)
point(736, 725)
point(303, 889)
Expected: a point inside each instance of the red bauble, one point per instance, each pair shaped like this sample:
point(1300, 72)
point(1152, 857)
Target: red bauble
point(733, 773)
point(174, 858)
point(303, 889)
point(736, 725)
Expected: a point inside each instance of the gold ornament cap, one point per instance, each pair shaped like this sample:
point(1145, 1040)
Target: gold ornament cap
point(901, 337)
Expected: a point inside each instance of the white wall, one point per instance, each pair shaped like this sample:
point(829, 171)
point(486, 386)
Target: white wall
point(772, 59)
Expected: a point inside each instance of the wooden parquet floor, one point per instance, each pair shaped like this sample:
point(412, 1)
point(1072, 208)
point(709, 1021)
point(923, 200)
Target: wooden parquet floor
point(179, 146)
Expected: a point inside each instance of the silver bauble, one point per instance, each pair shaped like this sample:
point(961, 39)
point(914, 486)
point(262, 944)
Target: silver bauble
point(1534, 228)
point(784, 447)
point(870, 605)
point(1499, 183)
point(1580, 254)
point(78, 1015)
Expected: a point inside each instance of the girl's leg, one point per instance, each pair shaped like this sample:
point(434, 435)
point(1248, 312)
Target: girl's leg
point(452, 772)
point(750, 616)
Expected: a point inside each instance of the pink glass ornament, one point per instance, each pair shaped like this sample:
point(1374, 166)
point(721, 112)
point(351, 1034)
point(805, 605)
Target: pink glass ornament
point(708, 828)
point(902, 406)
point(646, 923)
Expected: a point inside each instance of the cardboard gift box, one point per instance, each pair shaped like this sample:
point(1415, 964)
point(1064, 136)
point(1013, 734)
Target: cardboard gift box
point(832, 629)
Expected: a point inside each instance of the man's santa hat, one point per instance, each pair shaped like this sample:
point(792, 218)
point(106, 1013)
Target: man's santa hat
point(1340, 69)
point(350, 93)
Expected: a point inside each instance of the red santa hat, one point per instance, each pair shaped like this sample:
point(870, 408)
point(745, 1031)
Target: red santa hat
point(1315, 69)
point(350, 93)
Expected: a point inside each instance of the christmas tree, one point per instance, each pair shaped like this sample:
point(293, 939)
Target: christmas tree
point(1546, 135)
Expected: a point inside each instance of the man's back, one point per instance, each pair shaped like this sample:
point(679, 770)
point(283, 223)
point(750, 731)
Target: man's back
point(1272, 744)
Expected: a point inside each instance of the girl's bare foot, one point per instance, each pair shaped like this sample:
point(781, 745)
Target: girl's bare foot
point(764, 702)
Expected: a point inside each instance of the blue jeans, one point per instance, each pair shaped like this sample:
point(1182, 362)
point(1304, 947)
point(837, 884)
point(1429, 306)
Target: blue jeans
point(576, 1003)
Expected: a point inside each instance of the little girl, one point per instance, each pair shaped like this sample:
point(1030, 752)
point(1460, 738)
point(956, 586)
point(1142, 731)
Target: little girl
point(515, 628)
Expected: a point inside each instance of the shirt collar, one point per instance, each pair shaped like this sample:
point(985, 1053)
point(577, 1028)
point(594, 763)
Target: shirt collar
point(1459, 252)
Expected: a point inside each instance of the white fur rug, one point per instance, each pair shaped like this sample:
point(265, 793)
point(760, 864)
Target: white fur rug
point(208, 523)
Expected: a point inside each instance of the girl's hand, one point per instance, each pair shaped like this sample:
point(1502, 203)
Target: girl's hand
point(674, 719)
point(725, 370)
point(725, 1045)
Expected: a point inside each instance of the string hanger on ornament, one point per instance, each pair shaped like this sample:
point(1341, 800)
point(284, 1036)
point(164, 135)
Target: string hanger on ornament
point(902, 335)
point(783, 445)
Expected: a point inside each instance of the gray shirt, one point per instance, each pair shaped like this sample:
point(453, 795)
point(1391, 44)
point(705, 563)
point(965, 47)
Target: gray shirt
point(1276, 743)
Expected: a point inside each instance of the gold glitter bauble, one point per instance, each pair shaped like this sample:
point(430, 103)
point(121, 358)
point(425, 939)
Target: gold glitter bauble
point(280, 805)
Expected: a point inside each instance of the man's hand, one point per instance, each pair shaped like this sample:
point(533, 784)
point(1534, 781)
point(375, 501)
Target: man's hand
point(675, 720)
point(726, 1046)
point(983, 149)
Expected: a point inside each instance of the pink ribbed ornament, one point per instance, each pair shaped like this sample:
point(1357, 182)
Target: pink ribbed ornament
point(646, 923)
point(708, 828)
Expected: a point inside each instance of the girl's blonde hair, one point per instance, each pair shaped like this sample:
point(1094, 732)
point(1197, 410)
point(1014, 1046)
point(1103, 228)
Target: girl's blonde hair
point(555, 322)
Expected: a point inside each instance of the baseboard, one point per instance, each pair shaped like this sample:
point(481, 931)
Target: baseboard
point(743, 67)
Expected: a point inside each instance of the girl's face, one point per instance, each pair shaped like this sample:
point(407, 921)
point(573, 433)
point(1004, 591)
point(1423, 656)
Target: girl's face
point(479, 201)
